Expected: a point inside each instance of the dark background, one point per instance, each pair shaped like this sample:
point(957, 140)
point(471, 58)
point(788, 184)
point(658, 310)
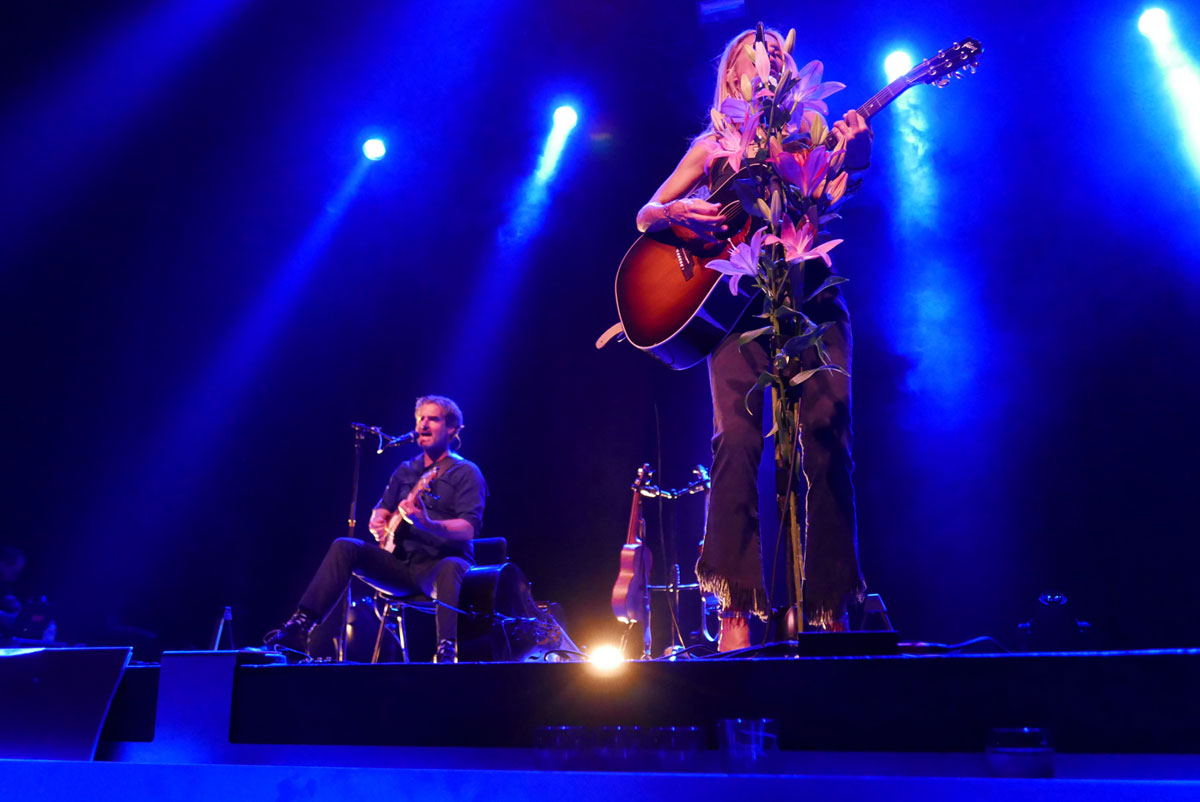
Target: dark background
point(203, 285)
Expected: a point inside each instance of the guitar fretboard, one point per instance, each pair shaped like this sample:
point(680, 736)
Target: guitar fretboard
point(883, 97)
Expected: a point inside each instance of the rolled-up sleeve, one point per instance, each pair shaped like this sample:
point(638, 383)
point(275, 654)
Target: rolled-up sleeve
point(469, 494)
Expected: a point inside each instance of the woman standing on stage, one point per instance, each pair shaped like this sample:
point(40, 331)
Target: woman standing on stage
point(731, 565)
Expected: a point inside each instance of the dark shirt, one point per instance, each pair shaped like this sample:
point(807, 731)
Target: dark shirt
point(458, 492)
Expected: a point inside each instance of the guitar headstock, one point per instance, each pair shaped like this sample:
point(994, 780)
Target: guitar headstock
point(948, 63)
point(643, 478)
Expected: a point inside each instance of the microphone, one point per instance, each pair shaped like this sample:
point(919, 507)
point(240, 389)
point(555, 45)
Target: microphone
point(407, 437)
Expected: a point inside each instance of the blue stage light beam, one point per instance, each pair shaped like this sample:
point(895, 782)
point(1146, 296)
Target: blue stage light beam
point(206, 411)
point(374, 149)
point(534, 194)
point(933, 320)
point(88, 103)
point(565, 119)
point(490, 307)
point(1181, 76)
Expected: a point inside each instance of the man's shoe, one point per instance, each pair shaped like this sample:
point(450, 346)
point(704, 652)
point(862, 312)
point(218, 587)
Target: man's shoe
point(291, 640)
point(447, 652)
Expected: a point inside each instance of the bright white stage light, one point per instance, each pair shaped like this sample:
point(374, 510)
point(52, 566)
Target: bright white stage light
point(1155, 25)
point(606, 659)
point(374, 149)
point(897, 64)
point(1181, 76)
point(565, 119)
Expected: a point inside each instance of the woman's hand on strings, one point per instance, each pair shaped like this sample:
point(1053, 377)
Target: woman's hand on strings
point(698, 215)
point(855, 136)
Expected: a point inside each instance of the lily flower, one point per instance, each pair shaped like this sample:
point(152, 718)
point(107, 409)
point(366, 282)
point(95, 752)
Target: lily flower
point(762, 63)
point(743, 261)
point(836, 188)
point(798, 243)
point(816, 167)
point(789, 164)
point(734, 108)
point(731, 141)
point(810, 91)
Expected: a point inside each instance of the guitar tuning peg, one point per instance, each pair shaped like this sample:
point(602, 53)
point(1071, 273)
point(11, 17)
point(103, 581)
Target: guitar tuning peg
point(957, 74)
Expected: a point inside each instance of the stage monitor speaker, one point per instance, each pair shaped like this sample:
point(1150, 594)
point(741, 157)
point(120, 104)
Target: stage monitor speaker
point(53, 701)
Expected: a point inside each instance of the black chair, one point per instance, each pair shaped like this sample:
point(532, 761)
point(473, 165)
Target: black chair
point(489, 551)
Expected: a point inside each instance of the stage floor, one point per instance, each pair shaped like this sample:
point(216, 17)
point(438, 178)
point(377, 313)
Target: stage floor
point(1081, 703)
point(204, 725)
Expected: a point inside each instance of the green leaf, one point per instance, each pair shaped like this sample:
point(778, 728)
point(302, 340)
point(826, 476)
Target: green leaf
point(832, 281)
point(751, 336)
point(802, 342)
point(763, 380)
point(823, 352)
point(805, 375)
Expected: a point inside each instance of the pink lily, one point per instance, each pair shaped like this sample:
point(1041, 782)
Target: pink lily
point(816, 167)
point(797, 243)
point(734, 108)
point(789, 164)
point(810, 91)
point(742, 262)
point(731, 141)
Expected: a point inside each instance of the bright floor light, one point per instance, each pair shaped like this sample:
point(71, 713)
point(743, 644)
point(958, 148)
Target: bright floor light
point(606, 659)
point(897, 64)
point(374, 149)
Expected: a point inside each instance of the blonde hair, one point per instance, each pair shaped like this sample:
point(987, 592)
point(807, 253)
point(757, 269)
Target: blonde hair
point(725, 64)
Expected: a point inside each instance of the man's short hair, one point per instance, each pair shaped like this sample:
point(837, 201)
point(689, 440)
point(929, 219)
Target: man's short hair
point(454, 416)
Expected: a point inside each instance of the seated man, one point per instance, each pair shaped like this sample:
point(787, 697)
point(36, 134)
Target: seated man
point(438, 497)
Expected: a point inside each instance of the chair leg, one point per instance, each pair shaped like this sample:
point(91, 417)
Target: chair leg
point(402, 629)
point(383, 618)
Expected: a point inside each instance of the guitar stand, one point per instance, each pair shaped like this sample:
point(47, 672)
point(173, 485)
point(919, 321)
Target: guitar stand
point(672, 588)
point(700, 484)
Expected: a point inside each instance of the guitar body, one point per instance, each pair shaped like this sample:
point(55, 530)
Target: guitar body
point(629, 591)
point(670, 303)
point(633, 578)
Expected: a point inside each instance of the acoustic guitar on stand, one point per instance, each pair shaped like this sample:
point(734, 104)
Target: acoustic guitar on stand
point(630, 595)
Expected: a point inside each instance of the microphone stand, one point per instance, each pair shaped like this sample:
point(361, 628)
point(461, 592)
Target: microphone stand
point(360, 433)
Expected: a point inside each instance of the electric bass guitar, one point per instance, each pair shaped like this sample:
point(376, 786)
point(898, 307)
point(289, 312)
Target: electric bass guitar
point(665, 292)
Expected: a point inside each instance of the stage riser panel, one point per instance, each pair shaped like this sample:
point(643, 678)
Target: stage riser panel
point(1125, 703)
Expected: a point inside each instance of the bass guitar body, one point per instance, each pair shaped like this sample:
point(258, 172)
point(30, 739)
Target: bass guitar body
point(671, 304)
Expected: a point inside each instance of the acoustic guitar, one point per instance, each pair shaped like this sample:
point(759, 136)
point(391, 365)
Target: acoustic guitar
point(630, 593)
point(665, 292)
point(388, 541)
